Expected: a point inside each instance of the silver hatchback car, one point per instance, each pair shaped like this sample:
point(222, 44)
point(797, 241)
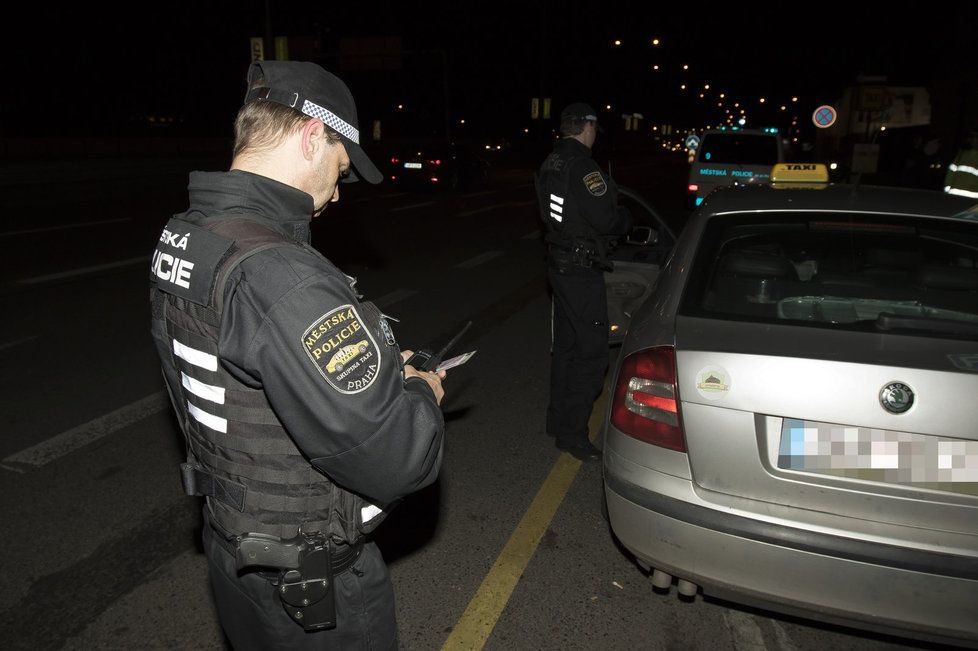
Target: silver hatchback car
point(794, 422)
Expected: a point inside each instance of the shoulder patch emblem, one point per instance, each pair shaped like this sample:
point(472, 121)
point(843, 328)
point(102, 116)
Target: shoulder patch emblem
point(595, 184)
point(343, 350)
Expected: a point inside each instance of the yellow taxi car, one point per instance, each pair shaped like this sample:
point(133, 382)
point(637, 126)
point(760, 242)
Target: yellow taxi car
point(344, 355)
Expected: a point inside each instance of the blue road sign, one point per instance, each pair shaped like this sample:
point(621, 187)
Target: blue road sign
point(824, 116)
point(692, 142)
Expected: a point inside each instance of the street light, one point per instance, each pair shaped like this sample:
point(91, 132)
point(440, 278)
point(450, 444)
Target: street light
point(655, 67)
point(655, 41)
point(685, 66)
point(617, 42)
point(762, 100)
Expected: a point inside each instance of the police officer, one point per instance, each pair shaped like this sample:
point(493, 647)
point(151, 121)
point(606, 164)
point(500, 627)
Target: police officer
point(579, 207)
point(962, 173)
point(303, 425)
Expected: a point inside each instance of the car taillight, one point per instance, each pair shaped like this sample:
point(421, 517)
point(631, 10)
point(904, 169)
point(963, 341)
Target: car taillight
point(693, 187)
point(437, 161)
point(395, 159)
point(434, 179)
point(646, 404)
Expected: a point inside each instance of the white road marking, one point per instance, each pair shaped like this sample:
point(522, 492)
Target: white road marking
point(28, 231)
point(143, 259)
point(67, 442)
point(395, 296)
point(412, 206)
point(744, 631)
point(479, 259)
point(531, 236)
point(17, 342)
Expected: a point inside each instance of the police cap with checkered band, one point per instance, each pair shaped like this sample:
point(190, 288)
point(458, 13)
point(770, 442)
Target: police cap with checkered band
point(310, 89)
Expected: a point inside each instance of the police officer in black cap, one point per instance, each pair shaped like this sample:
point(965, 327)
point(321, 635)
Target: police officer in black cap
point(303, 425)
point(579, 207)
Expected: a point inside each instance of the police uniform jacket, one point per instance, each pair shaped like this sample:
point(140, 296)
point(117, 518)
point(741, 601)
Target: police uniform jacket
point(306, 409)
point(578, 202)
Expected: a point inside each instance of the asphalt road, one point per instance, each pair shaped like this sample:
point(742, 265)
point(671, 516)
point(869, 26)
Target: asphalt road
point(509, 550)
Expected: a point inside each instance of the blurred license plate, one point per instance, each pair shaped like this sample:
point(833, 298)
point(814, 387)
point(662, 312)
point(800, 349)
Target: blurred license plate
point(412, 166)
point(879, 455)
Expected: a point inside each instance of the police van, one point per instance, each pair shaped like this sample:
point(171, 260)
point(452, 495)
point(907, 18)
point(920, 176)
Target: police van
point(732, 156)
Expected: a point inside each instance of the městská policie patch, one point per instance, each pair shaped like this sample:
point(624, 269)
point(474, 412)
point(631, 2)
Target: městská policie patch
point(595, 184)
point(343, 349)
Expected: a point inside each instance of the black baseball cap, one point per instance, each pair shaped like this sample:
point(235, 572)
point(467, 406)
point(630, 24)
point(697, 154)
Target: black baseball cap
point(310, 89)
point(579, 111)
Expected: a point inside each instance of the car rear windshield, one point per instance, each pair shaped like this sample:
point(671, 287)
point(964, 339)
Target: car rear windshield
point(739, 149)
point(839, 270)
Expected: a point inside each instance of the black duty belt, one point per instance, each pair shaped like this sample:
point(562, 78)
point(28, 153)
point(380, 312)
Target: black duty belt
point(342, 556)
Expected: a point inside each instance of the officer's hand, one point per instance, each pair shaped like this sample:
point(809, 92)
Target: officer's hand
point(433, 379)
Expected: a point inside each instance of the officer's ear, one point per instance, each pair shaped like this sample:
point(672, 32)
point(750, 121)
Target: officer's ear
point(313, 139)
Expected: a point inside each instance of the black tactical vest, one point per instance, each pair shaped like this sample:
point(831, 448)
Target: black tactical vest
point(239, 456)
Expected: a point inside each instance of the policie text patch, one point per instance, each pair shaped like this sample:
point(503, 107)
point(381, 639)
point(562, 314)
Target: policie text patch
point(595, 184)
point(343, 349)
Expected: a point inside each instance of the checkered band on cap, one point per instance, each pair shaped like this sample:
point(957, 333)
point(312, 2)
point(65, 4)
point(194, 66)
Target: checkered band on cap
point(334, 121)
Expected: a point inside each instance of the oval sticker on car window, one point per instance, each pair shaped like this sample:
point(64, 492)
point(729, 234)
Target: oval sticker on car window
point(713, 382)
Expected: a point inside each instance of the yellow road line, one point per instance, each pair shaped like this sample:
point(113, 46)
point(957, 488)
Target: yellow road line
point(476, 623)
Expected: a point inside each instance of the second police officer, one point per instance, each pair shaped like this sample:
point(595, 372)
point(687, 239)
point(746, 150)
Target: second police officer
point(579, 208)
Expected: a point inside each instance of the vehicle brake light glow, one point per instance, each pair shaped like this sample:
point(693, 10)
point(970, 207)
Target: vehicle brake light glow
point(395, 159)
point(693, 187)
point(646, 402)
point(434, 179)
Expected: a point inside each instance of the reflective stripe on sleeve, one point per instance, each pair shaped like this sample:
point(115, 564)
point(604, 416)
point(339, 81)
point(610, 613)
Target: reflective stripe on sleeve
point(210, 420)
point(960, 192)
point(559, 218)
point(556, 208)
point(194, 356)
point(369, 512)
point(967, 169)
point(556, 199)
point(202, 390)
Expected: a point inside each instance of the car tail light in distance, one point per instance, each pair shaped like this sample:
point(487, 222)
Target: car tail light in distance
point(437, 161)
point(646, 402)
point(434, 179)
point(395, 159)
point(693, 187)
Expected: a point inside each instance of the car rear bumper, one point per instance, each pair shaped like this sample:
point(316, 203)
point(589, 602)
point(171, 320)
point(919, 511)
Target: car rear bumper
point(824, 577)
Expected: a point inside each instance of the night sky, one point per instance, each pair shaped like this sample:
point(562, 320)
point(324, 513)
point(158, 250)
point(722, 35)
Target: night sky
point(98, 70)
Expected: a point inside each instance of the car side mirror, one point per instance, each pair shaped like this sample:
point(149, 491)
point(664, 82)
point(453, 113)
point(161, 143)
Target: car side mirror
point(642, 236)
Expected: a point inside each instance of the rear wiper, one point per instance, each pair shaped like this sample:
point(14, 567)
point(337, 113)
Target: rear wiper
point(889, 321)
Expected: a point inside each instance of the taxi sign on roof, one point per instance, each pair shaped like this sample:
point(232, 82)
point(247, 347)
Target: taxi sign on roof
point(800, 173)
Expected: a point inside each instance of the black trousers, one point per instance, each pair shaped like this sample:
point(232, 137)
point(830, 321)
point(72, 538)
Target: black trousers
point(253, 618)
point(580, 352)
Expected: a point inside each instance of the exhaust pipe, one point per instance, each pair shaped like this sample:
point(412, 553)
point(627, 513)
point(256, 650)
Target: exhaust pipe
point(663, 581)
point(687, 588)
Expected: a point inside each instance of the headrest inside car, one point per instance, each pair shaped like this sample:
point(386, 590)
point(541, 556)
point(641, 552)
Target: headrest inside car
point(758, 265)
